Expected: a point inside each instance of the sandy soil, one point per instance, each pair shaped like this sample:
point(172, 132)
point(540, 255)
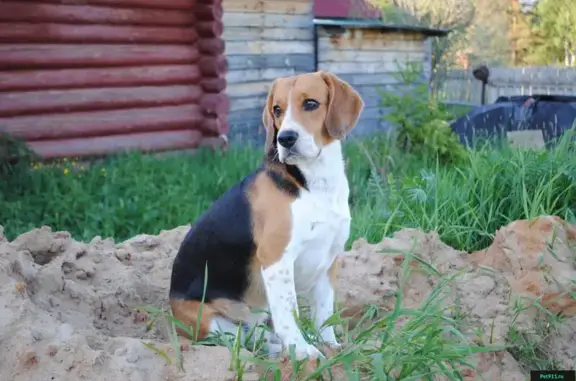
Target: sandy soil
point(68, 310)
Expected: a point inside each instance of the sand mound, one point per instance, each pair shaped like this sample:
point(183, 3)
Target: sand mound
point(528, 261)
point(68, 309)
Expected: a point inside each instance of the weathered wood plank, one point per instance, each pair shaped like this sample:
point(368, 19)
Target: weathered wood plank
point(245, 89)
point(235, 19)
point(103, 145)
point(94, 123)
point(238, 104)
point(359, 79)
point(268, 6)
point(246, 114)
point(67, 33)
point(88, 14)
point(20, 56)
point(332, 55)
point(79, 78)
point(269, 47)
point(44, 101)
point(362, 67)
point(254, 75)
point(363, 34)
point(384, 44)
point(266, 34)
point(298, 62)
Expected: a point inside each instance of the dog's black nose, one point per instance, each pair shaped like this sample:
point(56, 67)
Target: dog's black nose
point(287, 138)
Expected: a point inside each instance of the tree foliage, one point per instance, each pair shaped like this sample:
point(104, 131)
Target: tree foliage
point(554, 25)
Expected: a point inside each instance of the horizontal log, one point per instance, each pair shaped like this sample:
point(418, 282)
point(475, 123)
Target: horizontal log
point(213, 66)
point(267, 34)
point(97, 123)
point(79, 78)
point(155, 4)
point(209, 29)
point(298, 62)
point(67, 33)
point(23, 56)
point(104, 145)
point(269, 47)
point(215, 125)
point(238, 19)
point(213, 85)
point(268, 6)
point(215, 104)
point(237, 90)
point(254, 75)
point(90, 14)
point(211, 46)
point(208, 12)
point(331, 55)
point(52, 101)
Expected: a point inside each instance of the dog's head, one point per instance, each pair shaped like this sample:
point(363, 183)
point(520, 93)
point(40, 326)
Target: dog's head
point(306, 112)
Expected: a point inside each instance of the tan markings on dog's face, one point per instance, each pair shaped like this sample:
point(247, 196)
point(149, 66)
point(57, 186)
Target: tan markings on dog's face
point(309, 111)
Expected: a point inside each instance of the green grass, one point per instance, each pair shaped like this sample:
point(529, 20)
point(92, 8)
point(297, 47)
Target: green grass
point(133, 193)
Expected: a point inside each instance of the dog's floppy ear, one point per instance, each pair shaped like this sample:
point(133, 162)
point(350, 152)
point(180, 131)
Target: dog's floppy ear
point(268, 121)
point(344, 107)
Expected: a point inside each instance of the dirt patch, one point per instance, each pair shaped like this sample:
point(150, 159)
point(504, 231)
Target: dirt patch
point(68, 310)
point(527, 271)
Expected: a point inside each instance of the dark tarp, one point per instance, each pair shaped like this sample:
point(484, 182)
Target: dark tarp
point(552, 114)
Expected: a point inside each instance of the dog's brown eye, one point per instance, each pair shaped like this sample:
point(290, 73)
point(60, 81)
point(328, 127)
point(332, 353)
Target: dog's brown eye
point(310, 104)
point(277, 111)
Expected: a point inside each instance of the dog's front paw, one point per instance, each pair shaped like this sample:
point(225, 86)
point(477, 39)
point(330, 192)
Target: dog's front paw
point(331, 348)
point(306, 350)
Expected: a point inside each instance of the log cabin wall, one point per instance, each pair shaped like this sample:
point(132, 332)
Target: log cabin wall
point(265, 39)
point(368, 59)
point(93, 77)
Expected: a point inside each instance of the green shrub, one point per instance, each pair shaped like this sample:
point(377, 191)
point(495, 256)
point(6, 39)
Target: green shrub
point(420, 120)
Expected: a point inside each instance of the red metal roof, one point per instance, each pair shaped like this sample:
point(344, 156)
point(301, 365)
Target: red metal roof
point(357, 9)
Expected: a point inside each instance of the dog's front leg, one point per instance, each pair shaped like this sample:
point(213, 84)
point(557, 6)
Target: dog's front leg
point(281, 294)
point(322, 307)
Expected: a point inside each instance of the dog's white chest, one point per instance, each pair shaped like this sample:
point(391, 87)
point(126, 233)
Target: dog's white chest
point(321, 228)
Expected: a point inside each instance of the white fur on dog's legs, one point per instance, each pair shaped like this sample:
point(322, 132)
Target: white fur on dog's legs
point(281, 295)
point(322, 308)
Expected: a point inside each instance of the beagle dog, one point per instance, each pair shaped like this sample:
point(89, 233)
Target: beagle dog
point(276, 234)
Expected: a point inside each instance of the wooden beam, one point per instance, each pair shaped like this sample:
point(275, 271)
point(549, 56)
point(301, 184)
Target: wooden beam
point(326, 55)
point(88, 14)
point(69, 33)
point(28, 56)
point(254, 75)
point(361, 67)
point(268, 6)
point(269, 47)
point(248, 89)
point(267, 34)
point(103, 145)
point(109, 77)
point(98, 123)
point(213, 85)
point(238, 19)
point(53, 101)
point(384, 44)
point(154, 4)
